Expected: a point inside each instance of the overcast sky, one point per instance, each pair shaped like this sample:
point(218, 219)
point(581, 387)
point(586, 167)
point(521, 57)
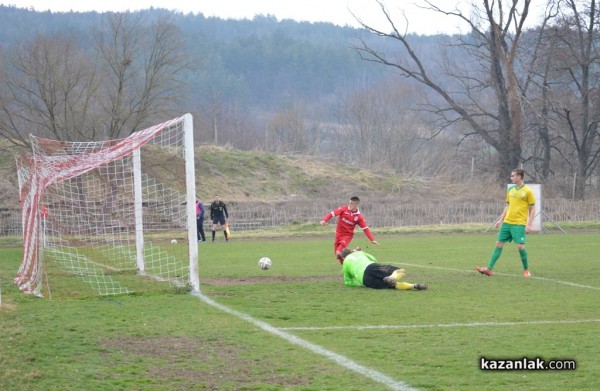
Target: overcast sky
point(334, 11)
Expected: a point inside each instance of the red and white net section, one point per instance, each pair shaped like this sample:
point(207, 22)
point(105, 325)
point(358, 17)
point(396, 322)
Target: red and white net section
point(82, 232)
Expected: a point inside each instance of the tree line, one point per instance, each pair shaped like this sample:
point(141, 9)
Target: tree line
point(531, 95)
point(459, 106)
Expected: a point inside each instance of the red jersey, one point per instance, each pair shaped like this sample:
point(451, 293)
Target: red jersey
point(347, 220)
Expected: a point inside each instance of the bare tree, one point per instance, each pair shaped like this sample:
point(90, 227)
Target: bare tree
point(490, 101)
point(576, 91)
point(55, 87)
point(288, 132)
point(382, 130)
point(540, 140)
point(47, 89)
point(143, 64)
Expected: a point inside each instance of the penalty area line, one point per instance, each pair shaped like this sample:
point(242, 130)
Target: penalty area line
point(337, 358)
point(444, 325)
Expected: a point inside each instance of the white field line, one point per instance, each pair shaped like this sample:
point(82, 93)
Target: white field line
point(371, 373)
point(337, 358)
point(444, 325)
point(533, 277)
point(472, 324)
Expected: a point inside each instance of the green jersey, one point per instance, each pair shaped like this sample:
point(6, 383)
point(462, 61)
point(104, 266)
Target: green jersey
point(354, 267)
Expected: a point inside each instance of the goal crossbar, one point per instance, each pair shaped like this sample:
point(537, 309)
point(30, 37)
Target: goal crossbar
point(59, 180)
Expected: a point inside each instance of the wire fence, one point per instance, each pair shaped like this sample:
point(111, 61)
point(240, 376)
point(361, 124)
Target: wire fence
point(393, 214)
point(244, 216)
point(247, 216)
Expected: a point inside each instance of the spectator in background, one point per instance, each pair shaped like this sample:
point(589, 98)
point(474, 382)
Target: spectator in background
point(200, 221)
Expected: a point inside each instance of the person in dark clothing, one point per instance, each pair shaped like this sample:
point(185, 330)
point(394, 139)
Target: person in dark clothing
point(200, 221)
point(219, 215)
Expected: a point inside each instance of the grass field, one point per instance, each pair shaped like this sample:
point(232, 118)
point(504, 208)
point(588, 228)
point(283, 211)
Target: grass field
point(297, 327)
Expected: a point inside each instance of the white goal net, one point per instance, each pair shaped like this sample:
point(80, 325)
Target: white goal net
point(110, 217)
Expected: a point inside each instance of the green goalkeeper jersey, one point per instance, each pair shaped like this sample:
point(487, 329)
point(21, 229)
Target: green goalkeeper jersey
point(354, 267)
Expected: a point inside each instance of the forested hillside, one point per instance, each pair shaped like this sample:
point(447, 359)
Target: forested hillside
point(448, 108)
point(263, 63)
point(260, 65)
point(281, 86)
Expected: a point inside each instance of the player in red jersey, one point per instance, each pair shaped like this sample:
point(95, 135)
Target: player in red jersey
point(348, 217)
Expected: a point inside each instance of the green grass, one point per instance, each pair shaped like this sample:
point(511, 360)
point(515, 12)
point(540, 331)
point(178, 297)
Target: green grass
point(430, 340)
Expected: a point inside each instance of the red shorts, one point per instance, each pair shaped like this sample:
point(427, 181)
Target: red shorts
point(341, 242)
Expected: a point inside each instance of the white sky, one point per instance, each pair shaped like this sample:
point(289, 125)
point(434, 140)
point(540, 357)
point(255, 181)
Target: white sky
point(334, 11)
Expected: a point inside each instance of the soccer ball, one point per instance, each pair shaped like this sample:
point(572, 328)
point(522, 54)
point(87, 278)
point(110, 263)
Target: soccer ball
point(174, 241)
point(265, 263)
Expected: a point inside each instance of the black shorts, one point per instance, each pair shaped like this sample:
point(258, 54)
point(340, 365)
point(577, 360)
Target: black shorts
point(375, 273)
point(219, 220)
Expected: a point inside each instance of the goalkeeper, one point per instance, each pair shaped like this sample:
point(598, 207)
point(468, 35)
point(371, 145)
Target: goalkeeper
point(362, 269)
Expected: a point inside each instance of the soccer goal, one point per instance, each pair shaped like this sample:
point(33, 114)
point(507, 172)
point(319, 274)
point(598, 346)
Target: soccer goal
point(110, 217)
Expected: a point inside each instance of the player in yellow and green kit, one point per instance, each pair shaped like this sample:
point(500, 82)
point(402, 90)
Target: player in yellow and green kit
point(514, 222)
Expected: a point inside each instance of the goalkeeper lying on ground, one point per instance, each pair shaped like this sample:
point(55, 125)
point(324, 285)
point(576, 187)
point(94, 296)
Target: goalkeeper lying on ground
point(362, 269)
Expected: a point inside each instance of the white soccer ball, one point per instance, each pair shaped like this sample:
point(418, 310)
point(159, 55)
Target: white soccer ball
point(174, 241)
point(265, 263)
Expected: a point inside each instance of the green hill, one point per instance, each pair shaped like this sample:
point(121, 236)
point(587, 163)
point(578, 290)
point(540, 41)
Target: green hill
point(253, 176)
point(301, 188)
point(259, 177)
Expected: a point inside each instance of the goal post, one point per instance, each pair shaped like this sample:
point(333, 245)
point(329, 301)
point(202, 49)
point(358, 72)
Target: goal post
point(99, 218)
point(190, 180)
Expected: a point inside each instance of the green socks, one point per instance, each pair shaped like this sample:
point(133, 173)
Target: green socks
point(523, 254)
point(498, 251)
point(495, 255)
